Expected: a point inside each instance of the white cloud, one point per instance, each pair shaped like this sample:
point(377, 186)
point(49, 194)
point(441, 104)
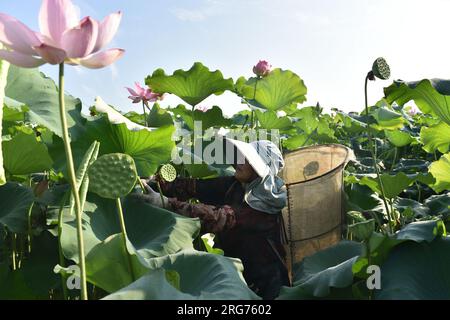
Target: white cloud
point(114, 71)
point(207, 9)
point(189, 15)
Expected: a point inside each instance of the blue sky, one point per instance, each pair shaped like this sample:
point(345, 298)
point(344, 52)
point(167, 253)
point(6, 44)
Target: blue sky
point(330, 43)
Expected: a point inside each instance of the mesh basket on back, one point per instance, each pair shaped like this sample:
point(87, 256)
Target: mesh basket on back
point(314, 181)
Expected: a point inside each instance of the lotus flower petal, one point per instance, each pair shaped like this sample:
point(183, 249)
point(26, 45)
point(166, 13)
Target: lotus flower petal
point(51, 54)
point(102, 59)
point(107, 30)
point(57, 16)
point(20, 59)
point(80, 41)
point(17, 36)
point(140, 90)
point(132, 92)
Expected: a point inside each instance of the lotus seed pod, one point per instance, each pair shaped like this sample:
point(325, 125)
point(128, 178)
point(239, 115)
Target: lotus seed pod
point(168, 172)
point(112, 176)
point(381, 69)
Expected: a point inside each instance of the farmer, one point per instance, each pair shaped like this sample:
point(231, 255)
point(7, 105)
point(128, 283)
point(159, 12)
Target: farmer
point(244, 212)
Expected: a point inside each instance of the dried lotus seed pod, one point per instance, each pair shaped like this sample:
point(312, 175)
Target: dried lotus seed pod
point(112, 176)
point(381, 69)
point(168, 173)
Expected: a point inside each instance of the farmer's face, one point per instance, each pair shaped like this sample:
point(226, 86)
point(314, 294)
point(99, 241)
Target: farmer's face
point(245, 173)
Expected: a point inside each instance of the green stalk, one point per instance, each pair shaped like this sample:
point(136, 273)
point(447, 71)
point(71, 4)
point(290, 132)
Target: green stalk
point(60, 250)
point(374, 158)
point(144, 191)
point(161, 194)
point(73, 183)
point(395, 157)
point(253, 118)
point(29, 236)
point(29, 221)
point(145, 114)
point(124, 237)
point(14, 250)
point(369, 263)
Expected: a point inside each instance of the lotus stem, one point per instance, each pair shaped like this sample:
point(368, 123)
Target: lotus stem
point(124, 237)
point(395, 158)
point(73, 183)
point(372, 150)
point(142, 186)
point(145, 114)
point(253, 118)
point(161, 194)
point(14, 250)
point(60, 250)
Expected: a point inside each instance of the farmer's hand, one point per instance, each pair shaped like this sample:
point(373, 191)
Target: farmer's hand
point(153, 197)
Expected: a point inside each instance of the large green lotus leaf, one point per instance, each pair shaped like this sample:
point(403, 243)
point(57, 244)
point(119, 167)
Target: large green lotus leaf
point(381, 245)
point(441, 172)
point(16, 201)
point(23, 154)
point(108, 267)
point(159, 117)
point(430, 95)
point(399, 138)
point(40, 94)
point(215, 278)
point(326, 269)
point(151, 230)
point(210, 118)
point(280, 89)
point(351, 125)
point(14, 110)
point(193, 86)
point(412, 166)
point(409, 206)
point(4, 67)
point(436, 138)
point(388, 119)
point(269, 120)
point(148, 148)
point(393, 184)
point(417, 271)
point(439, 204)
point(362, 198)
point(152, 286)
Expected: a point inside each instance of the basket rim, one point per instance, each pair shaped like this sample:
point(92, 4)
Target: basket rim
point(349, 156)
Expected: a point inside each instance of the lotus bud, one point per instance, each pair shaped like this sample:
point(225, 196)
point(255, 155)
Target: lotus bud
point(262, 69)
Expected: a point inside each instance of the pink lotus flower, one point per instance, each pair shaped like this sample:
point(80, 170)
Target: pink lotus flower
point(262, 69)
point(143, 94)
point(413, 110)
point(63, 38)
point(202, 108)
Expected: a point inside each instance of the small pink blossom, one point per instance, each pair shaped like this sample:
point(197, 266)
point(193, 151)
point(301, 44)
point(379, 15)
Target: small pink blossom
point(63, 38)
point(262, 68)
point(143, 94)
point(412, 111)
point(202, 108)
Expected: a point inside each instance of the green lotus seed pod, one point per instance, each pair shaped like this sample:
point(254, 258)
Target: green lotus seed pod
point(168, 172)
point(381, 69)
point(112, 176)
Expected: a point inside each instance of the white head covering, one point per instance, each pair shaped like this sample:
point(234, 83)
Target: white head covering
point(266, 193)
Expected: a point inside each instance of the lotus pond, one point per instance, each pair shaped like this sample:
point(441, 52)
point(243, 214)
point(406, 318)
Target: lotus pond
point(72, 227)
